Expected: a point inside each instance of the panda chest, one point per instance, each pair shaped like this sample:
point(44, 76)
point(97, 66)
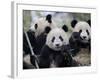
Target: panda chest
point(53, 61)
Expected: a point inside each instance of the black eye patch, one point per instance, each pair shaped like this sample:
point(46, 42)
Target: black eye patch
point(87, 32)
point(35, 26)
point(47, 29)
point(80, 31)
point(60, 38)
point(53, 39)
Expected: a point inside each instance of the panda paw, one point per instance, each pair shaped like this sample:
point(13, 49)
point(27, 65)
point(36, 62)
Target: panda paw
point(65, 49)
point(32, 60)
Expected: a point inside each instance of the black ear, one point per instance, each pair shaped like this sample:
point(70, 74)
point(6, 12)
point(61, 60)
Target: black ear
point(47, 29)
point(48, 18)
point(73, 23)
point(89, 22)
point(65, 28)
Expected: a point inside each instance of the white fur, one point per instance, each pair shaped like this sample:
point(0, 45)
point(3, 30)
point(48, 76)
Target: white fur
point(42, 23)
point(82, 25)
point(56, 33)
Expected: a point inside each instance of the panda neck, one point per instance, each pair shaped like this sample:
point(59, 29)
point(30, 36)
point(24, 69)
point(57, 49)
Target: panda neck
point(54, 51)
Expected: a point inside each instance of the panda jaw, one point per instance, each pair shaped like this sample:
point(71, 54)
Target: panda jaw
point(54, 48)
point(85, 41)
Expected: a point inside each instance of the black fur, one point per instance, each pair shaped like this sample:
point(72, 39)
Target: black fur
point(60, 59)
point(36, 26)
point(47, 29)
point(89, 22)
point(40, 40)
point(73, 23)
point(49, 18)
point(65, 28)
point(26, 48)
point(76, 43)
point(37, 44)
point(32, 39)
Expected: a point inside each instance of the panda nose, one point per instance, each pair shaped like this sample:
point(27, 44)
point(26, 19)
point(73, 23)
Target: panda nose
point(57, 45)
point(84, 37)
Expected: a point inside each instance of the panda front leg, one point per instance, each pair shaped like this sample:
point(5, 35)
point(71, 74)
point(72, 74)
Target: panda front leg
point(59, 60)
point(44, 62)
point(44, 59)
point(74, 43)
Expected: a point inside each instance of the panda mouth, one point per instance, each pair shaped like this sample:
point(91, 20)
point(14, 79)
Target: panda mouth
point(58, 47)
point(84, 40)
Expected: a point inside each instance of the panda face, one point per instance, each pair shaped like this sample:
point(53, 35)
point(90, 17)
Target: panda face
point(56, 38)
point(57, 42)
point(84, 30)
point(39, 25)
point(84, 34)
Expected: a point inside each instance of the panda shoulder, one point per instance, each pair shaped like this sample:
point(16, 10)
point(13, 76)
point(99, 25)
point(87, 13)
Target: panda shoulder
point(45, 50)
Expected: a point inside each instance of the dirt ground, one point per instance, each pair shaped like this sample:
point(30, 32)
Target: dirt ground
point(83, 57)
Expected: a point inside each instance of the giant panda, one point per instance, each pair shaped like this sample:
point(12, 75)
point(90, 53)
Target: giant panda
point(36, 31)
point(81, 36)
point(55, 51)
point(80, 41)
point(39, 29)
point(37, 35)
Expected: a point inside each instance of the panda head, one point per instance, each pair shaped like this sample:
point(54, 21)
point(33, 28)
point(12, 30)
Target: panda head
point(56, 38)
point(40, 24)
point(83, 28)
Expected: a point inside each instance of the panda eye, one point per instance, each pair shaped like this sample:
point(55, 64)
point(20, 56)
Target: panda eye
point(53, 39)
point(80, 31)
point(87, 32)
point(35, 26)
point(60, 38)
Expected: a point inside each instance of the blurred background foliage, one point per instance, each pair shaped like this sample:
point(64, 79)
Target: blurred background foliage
point(26, 19)
point(60, 17)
